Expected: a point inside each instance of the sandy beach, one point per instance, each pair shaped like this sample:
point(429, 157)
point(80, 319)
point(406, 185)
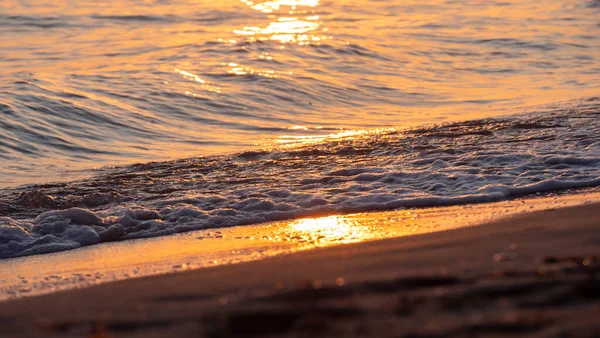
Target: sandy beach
point(297, 168)
point(531, 274)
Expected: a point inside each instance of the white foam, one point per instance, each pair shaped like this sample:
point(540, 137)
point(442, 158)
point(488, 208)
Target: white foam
point(430, 166)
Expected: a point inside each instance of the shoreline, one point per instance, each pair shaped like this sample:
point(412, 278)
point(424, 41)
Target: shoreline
point(114, 261)
point(532, 273)
point(449, 164)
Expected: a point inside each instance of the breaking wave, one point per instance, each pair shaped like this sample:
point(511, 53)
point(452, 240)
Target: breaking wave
point(464, 162)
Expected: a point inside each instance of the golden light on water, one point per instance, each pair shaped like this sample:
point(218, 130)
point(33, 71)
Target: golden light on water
point(303, 139)
point(338, 229)
point(272, 6)
point(237, 69)
point(289, 25)
point(259, 67)
point(193, 77)
point(189, 75)
point(285, 29)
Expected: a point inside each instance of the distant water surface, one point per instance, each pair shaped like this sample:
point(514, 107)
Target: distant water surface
point(89, 84)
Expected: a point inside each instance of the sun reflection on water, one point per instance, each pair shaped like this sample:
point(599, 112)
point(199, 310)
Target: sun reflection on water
point(285, 29)
point(331, 229)
point(237, 69)
point(275, 5)
point(193, 77)
point(303, 139)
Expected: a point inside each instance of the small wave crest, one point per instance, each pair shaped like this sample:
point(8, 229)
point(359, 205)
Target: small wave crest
point(464, 162)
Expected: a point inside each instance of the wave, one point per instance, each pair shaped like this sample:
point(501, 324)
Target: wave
point(33, 21)
point(134, 18)
point(454, 163)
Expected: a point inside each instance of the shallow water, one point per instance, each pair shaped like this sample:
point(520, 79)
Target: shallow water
point(97, 84)
point(35, 275)
point(464, 162)
point(264, 111)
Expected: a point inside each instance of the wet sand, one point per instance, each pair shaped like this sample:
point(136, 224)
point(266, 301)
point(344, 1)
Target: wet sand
point(108, 262)
point(534, 274)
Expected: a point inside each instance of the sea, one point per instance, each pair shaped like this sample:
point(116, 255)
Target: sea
point(141, 118)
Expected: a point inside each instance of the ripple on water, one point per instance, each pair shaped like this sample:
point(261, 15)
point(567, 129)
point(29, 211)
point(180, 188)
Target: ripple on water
point(456, 163)
point(110, 84)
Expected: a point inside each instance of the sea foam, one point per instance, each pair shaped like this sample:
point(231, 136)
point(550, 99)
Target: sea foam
point(465, 162)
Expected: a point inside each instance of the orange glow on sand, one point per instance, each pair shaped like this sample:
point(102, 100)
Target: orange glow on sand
point(329, 229)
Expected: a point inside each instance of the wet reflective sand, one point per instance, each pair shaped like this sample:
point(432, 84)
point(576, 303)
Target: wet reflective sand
point(124, 260)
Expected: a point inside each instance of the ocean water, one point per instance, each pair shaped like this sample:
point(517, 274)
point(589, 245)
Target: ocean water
point(130, 119)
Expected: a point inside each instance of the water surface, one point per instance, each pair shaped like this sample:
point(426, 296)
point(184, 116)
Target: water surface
point(93, 84)
point(277, 110)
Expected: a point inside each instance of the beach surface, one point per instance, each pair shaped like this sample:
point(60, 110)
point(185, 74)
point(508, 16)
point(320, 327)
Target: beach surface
point(528, 274)
point(273, 168)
